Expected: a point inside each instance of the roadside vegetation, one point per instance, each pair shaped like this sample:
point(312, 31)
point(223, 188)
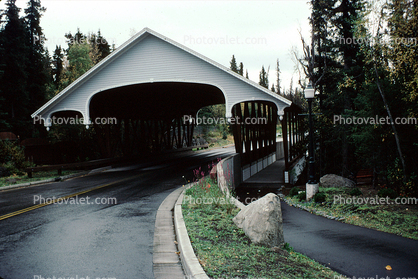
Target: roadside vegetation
point(224, 251)
point(37, 176)
point(13, 164)
point(212, 126)
point(350, 206)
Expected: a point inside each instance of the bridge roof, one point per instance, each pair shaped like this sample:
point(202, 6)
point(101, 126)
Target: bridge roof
point(149, 57)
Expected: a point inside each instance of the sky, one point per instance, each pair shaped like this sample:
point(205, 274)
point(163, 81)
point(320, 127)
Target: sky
point(256, 32)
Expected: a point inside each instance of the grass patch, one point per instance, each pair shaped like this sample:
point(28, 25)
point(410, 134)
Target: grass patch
point(389, 217)
point(224, 251)
point(218, 141)
point(37, 176)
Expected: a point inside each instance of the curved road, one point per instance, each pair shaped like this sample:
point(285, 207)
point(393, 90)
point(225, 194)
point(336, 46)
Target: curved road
point(111, 237)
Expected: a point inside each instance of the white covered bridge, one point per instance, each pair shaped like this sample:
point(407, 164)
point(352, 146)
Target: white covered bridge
point(150, 82)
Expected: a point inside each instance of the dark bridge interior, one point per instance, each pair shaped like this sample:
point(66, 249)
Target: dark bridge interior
point(149, 115)
point(160, 100)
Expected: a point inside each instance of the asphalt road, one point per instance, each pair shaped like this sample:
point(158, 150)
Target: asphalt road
point(111, 237)
point(353, 251)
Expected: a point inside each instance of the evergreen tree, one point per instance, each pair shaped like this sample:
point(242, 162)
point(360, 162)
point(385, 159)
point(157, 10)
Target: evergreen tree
point(33, 17)
point(4, 126)
point(264, 80)
point(103, 46)
point(83, 52)
point(278, 77)
point(77, 39)
point(391, 84)
point(246, 74)
point(38, 66)
point(335, 68)
point(14, 60)
point(57, 62)
point(233, 65)
point(241, 69)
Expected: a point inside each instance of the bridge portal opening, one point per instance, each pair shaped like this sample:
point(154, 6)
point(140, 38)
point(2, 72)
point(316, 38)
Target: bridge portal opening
point(150, 115)
point(158, 100)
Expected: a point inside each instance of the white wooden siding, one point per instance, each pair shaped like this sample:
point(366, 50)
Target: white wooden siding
point(150, 58)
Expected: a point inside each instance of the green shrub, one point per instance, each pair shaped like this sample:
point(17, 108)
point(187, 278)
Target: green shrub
point(224, 135)
point(387, 192)
point(294, 191)
point(319, 197)
point(12, 157)
point(302, 196)
point(355, 192)
point(287, 247)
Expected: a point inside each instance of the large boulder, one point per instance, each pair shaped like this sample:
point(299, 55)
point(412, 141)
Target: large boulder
point(262, 221)
point(333, 180)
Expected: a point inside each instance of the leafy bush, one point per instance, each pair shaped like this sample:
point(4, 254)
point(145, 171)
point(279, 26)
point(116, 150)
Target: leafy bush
point(287, 247)
point(294, 191)
point(387, 192)
point(406, 185)
point(4, 172)
point(302, 196)
point(224, 135)
point(355, 192)
point(12, 157)
point(319, 197)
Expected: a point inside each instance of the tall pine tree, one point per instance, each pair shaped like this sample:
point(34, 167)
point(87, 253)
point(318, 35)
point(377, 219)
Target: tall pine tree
point(264, 80)
point(241, 69)
point(14, 60)
point(278, 77)
point(57, 63)
point(335, 67)
point(38, 66)
point(233, 64)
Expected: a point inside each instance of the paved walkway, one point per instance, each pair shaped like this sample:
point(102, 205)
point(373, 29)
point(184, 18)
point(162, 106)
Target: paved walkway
point(266, 181)
point(273, 174)
point(348, 249)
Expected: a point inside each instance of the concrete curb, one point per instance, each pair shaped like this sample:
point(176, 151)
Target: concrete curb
point(190, 263)
point(166, 263)
point(56, 179)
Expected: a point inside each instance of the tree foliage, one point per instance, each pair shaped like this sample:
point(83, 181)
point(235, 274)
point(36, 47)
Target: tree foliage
point(82, 53)
point(264, 79)
point(14, 59)
point(29, 76)
point(368, 78)
point(233, 64)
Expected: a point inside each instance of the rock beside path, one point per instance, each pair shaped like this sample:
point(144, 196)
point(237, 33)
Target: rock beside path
point(262, 221)
point(333, 180)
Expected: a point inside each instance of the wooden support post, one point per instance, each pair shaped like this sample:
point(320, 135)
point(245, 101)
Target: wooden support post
point(191, 134)
point(107, 141)
point(247, 143)
point(253, 135)
point(273, 129)
point(236, 128)
point(285, 141)
point(125, 144)
point(179, 141)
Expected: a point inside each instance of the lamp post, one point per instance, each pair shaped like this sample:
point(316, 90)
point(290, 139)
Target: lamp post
point(312, 186)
